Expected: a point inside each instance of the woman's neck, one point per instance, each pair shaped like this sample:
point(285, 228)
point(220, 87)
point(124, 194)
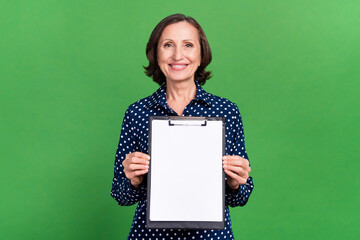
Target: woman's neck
point(180, 91)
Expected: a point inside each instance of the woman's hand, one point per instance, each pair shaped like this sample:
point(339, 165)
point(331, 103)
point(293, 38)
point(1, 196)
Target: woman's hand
point(136, 164)
point(237, 170)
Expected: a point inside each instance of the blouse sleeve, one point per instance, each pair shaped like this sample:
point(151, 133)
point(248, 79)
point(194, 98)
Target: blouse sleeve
point(241, 196)
point(122, 190)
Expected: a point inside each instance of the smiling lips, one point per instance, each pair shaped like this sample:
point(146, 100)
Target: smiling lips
point(178, 66)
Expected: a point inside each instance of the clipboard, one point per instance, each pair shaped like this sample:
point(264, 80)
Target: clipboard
point(186, 181)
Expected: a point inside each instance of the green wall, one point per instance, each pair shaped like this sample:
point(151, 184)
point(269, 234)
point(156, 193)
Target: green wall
point(69, 69)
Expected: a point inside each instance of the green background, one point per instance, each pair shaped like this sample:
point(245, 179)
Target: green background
point(69, 69)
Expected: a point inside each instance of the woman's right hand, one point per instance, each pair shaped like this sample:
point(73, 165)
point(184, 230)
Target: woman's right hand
point(136, 165)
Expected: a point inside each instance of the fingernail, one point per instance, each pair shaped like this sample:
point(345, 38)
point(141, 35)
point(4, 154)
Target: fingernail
point(148, 157)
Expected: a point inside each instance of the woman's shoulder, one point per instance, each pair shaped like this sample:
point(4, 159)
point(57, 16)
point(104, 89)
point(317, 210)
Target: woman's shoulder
point(147, 102)
point(141, 105)
point(221, 102)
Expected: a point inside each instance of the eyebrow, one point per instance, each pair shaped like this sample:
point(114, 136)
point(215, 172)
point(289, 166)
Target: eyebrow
point(172, 40)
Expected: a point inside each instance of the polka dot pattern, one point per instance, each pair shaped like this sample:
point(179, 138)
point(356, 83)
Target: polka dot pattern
point(134, 137)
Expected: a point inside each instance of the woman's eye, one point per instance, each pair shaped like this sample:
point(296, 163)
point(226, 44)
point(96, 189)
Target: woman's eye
point(167, 45)
point(188, 45)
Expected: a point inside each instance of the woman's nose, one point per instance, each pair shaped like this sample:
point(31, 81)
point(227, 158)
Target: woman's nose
point(178, 54)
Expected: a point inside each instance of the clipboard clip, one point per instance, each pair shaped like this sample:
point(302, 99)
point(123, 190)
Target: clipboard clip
point(188, 121)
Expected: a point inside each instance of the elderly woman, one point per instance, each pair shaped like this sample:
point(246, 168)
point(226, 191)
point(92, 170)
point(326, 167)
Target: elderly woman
point(178, 53)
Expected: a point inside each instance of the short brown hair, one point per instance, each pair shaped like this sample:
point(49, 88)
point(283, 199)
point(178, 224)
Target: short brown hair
point(154, 71)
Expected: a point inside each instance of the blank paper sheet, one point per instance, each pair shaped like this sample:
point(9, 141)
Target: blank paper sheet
point(186, 172)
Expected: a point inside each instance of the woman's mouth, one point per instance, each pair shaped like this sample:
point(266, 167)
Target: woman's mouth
point(178, 67)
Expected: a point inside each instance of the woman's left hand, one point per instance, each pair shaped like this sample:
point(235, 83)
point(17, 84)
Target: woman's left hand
point(237, 170)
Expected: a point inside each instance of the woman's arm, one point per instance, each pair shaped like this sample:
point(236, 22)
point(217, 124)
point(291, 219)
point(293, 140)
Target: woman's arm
point(239, 197)
point(122, 190)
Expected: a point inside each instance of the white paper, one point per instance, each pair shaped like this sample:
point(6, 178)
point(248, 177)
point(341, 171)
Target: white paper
point(186, 172)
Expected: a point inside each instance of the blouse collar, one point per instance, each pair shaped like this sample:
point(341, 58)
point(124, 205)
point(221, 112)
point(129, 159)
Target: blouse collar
point(159, 97)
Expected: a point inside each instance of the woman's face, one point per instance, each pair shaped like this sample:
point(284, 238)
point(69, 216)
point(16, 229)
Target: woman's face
point(179, 52)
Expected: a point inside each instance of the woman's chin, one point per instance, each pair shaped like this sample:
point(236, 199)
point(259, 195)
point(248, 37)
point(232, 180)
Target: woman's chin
point(179, 79)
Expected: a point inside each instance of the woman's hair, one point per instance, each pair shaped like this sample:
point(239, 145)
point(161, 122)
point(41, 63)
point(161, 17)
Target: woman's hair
point(154, 71)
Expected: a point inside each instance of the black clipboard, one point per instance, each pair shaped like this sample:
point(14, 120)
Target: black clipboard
point(186, 181)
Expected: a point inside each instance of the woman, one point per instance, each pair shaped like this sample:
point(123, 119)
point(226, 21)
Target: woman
point(178, 53)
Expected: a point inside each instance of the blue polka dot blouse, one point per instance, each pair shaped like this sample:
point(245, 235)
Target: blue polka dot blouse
point(134, 137)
